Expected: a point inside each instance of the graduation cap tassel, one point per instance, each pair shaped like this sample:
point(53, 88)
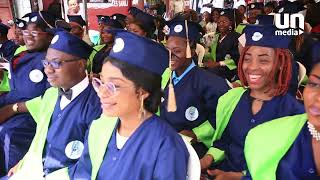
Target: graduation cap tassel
point(188, 51)
point(172, 105)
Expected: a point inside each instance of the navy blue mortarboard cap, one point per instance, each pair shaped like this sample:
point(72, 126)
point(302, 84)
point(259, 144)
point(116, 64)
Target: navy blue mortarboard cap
point(257, 35)
point(255, 5)
point(134, 11)
point(65, 42)
point(229, 13)
point(146, 20)
point(77, 19)
point(4, 29)
point(139, 51)
point(21, 24)
point(108, 21)
point(177, 28)
point(42, 18)
point(290, 7)
point(119, 17)
point(265, 19)
point(101, 17)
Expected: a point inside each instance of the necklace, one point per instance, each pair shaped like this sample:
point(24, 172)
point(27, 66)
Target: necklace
point(258, 99)
point(315, 134)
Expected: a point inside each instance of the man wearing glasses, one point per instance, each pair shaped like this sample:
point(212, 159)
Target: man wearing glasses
point(27, 81)
point(64, 113)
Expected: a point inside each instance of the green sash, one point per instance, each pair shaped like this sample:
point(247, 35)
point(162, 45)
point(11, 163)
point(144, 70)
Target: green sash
point(99, 135)
point(267, 143)
point(20, 49)
point(226, 105)
point(41, 110)
point(92, 55)
point(240, 28)
point(4, 84)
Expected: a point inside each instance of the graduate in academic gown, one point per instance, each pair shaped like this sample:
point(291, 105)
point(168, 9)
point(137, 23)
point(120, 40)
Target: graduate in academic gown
point(142, 24)
point(129, 141)
point(7, 47)
point(77, 24)
point(102, 51)
point(223, 56)
point(197, 91)
point(288, 148)
point(64, 113)
point(27, 81)
point(265, 68)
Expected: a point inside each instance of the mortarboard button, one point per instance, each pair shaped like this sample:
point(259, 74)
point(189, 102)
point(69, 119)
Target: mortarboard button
point(178, 28)
point(257, 36)
point(118, 45)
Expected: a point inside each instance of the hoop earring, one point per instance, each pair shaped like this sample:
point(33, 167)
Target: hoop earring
point(230, 28)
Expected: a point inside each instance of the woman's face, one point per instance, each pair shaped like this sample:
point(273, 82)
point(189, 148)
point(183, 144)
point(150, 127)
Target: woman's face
point(257, 65)
point(224, 24)
point(105, 36)
point(311, 95)
point(177, 46)
point(136, 29)
point(124, 101)
point(35, 39)
point(215, 16)
point(242, 10)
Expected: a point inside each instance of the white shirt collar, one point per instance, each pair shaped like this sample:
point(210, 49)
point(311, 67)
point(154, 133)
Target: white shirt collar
point(76, 90)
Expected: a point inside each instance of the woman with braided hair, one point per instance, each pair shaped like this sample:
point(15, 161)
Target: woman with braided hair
point(264, 69)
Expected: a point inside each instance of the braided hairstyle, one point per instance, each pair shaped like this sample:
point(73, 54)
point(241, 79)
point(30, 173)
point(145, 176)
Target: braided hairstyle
point(281, 71)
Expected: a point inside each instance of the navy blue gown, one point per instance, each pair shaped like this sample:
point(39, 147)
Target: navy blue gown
point(28, 81)
point(7, 49)
point(242, 120)
point(68, 129)
point(153, 151)
point(197, 95)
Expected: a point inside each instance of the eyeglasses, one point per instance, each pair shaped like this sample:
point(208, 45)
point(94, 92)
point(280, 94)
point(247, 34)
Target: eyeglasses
point(32, 33)
point(57, 64)
point(108, 88)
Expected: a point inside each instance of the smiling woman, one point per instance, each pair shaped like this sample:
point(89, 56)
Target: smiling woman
point(137, 144)
point(264, 69)
point(295, 141)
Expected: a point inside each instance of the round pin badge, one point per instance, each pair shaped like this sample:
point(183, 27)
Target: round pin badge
point(118, 45)
point(257, 36)
point(252, 6)
point(55, 39)
point(20, 25)
point(281, 10)
point(178, 28)
point(162, 99)
point(36, 75)
point(192, 113)
point(34, 19)
point(74, 149)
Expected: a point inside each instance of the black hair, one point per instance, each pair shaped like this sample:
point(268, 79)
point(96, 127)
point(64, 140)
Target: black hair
point(148, 81)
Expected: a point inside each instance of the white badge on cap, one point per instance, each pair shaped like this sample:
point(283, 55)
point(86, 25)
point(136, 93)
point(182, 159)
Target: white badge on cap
point(55, 39)
point(36, 76)
point(222, 13)
point(178, 28)
point(257, 36)
point(281, 10)
point(192, 113)
point(34, 19)
point(252, 6)
point(20, 25)
point(114, 17)
point(118, 45)
point(74, 149)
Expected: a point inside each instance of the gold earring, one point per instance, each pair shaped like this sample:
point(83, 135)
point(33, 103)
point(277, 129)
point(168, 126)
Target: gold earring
point(141, 110)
